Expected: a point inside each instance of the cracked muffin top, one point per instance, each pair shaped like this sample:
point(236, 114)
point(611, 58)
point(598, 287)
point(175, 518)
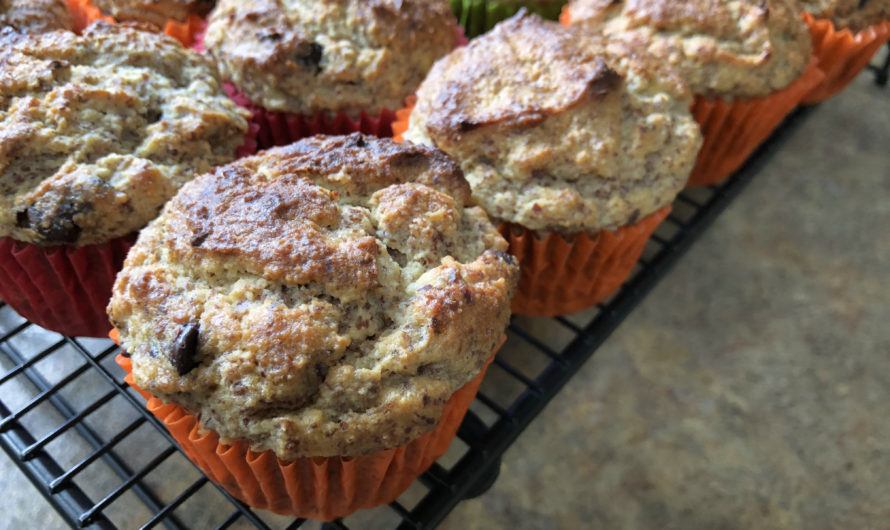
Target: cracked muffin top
point(568, 135)
point(310, 56)
point(855, 15)
point(35, 16)
point(722, 48)
point(320, 299)
point(98, 131)
point(156, 12)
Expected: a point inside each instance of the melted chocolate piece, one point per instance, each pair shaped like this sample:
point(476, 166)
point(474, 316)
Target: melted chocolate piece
point(183, 355)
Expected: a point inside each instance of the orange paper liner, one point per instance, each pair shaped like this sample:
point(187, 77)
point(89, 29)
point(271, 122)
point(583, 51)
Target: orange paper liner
point(842, 55)
point(85, 13)
point(316, 488)
point(562, 275)
point(732, 130)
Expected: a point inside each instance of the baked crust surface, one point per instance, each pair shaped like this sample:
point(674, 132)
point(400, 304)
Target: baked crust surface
point(98, 131)
point(722, 48)
point(556, 131)
point(35, 16)
point(309, 56)
point(320, 299)
point(855, 15)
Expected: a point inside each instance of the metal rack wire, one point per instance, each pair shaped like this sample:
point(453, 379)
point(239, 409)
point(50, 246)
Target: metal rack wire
point(86, 442)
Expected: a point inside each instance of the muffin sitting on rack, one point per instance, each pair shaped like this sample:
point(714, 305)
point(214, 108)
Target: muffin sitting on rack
point(97, 132)
point(327, 66)
point(323, 299)
point(578, 149)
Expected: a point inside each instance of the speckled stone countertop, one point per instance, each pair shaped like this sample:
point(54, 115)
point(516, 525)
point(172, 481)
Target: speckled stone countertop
point(751, 389)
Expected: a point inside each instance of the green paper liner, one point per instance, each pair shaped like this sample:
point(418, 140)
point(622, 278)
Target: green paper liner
point(479, 16)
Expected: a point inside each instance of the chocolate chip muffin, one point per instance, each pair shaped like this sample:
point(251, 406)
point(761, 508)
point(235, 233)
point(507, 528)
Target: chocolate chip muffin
point(156, 12)
point(320, 299)
point(311, 56)
point(35, 16)
point(98, 131)
point(567, 136)
point(722, 48)
point(854, 15)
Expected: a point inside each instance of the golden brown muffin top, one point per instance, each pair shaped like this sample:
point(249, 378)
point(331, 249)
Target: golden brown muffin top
point(309, 56)
point(722, 48)
point(156, 12)
point(320, 299)
point(35, 16)
point(556, 132)
point(855, 15)
point(98, 131)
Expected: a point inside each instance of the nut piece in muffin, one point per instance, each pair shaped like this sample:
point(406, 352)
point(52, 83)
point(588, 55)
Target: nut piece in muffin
point(320, 299)
point(98, 131)
point(566, 136)
point(722, 48)
point(311, 56)
point(156, 12)
point(855, 15)
point(35, 16)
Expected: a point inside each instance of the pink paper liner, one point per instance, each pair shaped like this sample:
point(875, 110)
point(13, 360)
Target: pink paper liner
point(842, 54)
point(63, 289)
point(318, 488)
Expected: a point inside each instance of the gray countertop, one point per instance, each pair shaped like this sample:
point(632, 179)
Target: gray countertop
point(751, 389)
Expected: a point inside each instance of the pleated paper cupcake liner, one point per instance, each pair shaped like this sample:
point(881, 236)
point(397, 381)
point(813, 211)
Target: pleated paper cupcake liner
point(85, 13)
point(63, 289)
point(562, 275)
point(322, 488)
point(732, 130)
point(479, 16)
point(842, 54)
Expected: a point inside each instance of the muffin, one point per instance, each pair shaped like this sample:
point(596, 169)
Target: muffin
point(181, 19)
point(846, 35)
point(314, 302)
point(479, 16)
point(35, 16)
point(576, 148)
point(97, 132)
point(747, 62)
point(156, 12)
point(327, 66)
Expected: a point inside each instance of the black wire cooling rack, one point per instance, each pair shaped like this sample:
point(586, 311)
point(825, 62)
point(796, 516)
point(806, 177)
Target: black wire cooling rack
point(89, 446)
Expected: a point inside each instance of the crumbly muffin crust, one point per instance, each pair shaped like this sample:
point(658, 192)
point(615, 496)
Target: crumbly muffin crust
point(309, 56)
point(156, 12)
point(722, 48)
point(567, 136)
point(320, 299)
point(855, 15)
point(98, 131)
point(35, 16)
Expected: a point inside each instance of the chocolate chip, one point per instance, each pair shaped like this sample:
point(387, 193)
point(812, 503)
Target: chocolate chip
point(56, 226)
point(183, 354)
point(21, 219)
point(309, 56)
point(199, 239)
point(862, 3)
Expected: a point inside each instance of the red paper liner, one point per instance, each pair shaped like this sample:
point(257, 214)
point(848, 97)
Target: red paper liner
point(85, 13)
point(562, 275)
point(62, 288)
point(842, 54)
point(318, 488)
point(732, 130)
